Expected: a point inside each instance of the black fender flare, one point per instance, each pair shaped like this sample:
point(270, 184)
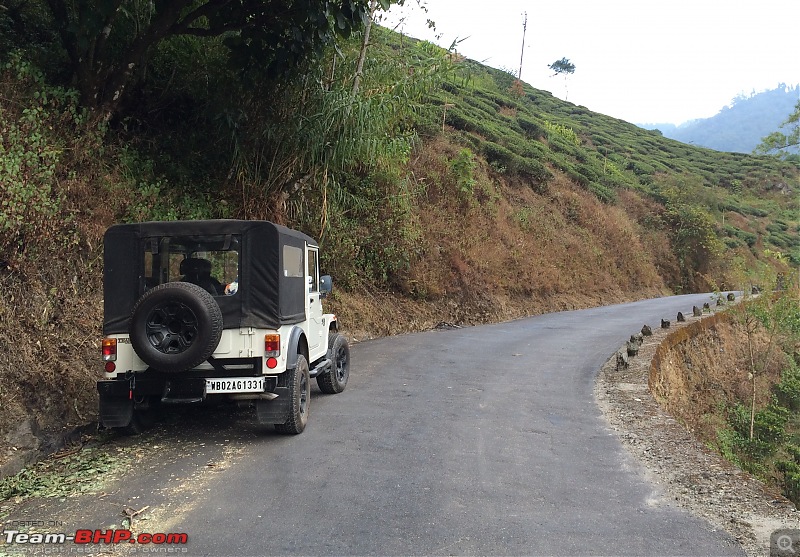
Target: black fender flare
point(295, 346)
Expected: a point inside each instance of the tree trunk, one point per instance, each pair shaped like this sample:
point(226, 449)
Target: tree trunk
point(750, 333)
point(753, 409)
point(373, 6)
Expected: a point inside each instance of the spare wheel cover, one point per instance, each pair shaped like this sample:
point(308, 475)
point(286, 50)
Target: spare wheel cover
point(175, 326)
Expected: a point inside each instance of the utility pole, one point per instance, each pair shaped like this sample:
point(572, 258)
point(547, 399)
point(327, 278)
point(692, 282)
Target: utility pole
point(522, 53)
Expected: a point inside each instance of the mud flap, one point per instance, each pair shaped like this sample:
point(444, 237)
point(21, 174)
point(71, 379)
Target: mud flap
point(275, 411)
point(116, 403)
point(116, 411)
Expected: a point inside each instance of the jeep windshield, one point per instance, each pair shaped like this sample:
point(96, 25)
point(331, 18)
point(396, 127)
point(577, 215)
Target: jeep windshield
point(211, 262)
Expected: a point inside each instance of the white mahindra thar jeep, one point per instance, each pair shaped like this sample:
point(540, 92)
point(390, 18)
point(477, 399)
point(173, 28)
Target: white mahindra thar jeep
point(218, 309)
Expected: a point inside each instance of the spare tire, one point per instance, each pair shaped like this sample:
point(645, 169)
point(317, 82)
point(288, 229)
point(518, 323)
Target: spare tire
point(175, 326)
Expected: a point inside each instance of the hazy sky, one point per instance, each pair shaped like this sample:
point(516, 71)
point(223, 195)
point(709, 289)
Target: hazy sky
point(645, 61)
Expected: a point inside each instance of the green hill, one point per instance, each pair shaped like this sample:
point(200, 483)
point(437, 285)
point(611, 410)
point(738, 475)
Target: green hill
point(740, 127)
point(440, 190)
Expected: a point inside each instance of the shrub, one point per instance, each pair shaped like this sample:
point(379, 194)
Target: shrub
point(588, 171)
point(741, 236)
point(497, 154)
point(754, 211)
point(32, 146)
point(777, 227)
point(640, 168)
point(733, 243)
point(567, 133)
point(532, 170)
point(769, 431)
point(603, 193)
point(787, 391)
point(790, 470)
point(458, 120)
point(462, 169)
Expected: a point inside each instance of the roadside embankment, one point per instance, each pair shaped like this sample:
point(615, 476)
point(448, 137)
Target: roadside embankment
point(689, 473)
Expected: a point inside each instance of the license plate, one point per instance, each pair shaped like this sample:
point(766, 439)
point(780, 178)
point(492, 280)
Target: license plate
point(235, 385)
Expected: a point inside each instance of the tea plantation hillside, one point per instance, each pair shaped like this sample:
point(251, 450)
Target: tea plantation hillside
point(531, 135)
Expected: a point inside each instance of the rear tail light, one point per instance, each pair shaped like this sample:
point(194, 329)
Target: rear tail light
point(272, 346)
point(109, 349)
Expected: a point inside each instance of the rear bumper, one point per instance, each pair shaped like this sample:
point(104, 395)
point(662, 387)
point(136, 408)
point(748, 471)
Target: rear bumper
point(120, 396)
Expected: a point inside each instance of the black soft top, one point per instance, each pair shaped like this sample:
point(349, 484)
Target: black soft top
point(266, 298)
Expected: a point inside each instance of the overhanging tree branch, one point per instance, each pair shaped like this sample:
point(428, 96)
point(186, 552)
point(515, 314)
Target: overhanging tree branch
point(107, 40)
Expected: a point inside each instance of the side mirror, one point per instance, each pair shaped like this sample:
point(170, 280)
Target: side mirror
point(325, 285)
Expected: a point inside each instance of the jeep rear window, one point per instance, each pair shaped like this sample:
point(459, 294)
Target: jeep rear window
point(211, 262)
point(293, 262)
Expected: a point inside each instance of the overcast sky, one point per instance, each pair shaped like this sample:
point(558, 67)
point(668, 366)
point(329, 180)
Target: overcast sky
point(645, 61)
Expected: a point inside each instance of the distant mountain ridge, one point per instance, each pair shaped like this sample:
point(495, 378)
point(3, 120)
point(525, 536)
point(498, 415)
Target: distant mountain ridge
point(740, 127)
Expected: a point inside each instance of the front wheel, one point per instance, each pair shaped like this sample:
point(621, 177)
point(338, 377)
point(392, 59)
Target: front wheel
point(335, 380)
point(300, 393)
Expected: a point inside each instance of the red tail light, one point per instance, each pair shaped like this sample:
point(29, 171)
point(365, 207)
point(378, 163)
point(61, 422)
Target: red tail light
point(272, 346)
point(109, 349)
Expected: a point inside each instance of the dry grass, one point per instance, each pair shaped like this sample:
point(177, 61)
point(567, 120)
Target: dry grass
point(49, 349)
point(49, 345)
point(506, 251)
point(507, 241)
point(51, 311)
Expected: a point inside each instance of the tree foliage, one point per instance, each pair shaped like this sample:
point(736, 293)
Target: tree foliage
point(562, 67)
point(108, 42)
point(691, 227)
point(784, 142)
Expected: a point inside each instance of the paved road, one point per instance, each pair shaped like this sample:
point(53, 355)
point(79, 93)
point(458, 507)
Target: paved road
point(475, 441)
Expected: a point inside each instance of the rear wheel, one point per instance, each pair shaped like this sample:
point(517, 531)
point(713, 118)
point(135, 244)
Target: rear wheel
point(300, 393)
point(335, 380)
point(142, 419)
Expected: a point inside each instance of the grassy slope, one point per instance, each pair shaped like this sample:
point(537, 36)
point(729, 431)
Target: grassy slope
point(611, 154)
point(520, 204)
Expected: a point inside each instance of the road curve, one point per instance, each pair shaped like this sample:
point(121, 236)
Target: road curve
point(476, 441)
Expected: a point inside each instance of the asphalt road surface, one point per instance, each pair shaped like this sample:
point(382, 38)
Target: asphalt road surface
point(476, 441)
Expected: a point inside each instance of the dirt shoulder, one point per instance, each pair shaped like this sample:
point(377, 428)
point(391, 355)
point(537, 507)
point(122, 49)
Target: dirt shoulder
point(687, 472)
